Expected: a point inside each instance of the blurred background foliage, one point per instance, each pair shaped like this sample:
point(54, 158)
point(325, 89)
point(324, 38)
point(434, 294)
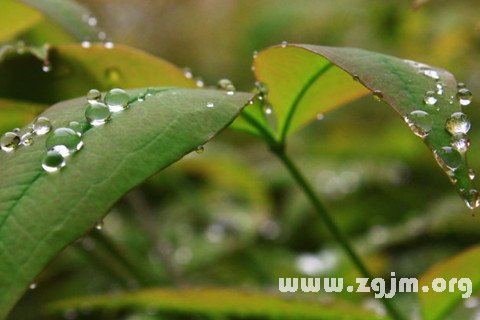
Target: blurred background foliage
point(231, 216)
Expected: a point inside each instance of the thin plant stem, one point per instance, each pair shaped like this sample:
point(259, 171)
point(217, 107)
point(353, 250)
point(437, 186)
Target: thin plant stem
point(330, 223)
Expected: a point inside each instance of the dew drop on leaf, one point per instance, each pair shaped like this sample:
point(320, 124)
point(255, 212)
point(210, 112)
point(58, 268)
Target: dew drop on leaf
point(471, 198)
point(464, 96)
point(284, 44)
point(457, 123)
point(448, 158)
point(430, 98)
point(53, 161)
point(420, 122)
point(187, 72)
point(460, 142)
point(32, 286)
point(377, 95)
point(99, 225)
point(117, 100)
point(227, 86)
point(471, 174)
point(78, 127)
point(97, 113)
point(210, 105)
point(86, 44)
point(200, 149)
point(41, 126)
point(94, 95)
point(9, 141)
point(65, 141)
point(27, 138)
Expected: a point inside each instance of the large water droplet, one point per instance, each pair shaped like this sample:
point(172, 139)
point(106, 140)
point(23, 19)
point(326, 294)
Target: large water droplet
point(464, 96)
point(227, 86)
point(65, 141)
point(41, 126)
point(94, 95)
point(117, 100)
point(448, 158)
point(97, 113)
point(460, 142)
point(430, 98)
point(9, 141)
point(420, 122)
point(471, 198)
point(53, 161)
point(457, 123)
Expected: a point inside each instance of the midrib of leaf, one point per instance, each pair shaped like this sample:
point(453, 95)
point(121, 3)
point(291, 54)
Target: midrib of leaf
point(299, 97)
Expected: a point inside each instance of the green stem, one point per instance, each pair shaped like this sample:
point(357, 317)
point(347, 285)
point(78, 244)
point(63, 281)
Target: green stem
point(330, 223)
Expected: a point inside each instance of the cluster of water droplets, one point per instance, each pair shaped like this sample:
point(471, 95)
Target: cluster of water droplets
point(187, 72)
point(449, 157)
point(17, 138)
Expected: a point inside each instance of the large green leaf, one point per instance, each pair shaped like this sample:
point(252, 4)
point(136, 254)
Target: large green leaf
point(305, 80)
point(437, 305)
point(75, 70)
point(70, 15)
point(16, 18)
point(40, 213)
point(215, 303)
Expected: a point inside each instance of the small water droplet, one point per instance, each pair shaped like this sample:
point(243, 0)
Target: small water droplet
point(430, 98)
point(356, 77)
point(471, 174)
point(117, 100)
point(92, 21)
point(9, 141)
point(27, 138)
point(284, 44)
point(199, 82)
point(210, 105)
point(267, 110)
point(41, 126)
point(320, 116)
point(430, 73)
point(99, 225)
point(32, 286)
point(255, 54)
point(65, 141)
point(86, 44)
point(457, 123)
point(448, 158)
point(187, 72)
point(46, 67)
point(16, 130)
point(471, 198)
point(377, 95)
point(227, 86)
point(97, 113)
point(439, 88)
point(262, 89)
point(464, 96)
point(94, 95)
point(78, 127)
point(460, 143)
point(460, 85)
point(200, 149)
point(53, 161)
point(102, 35)
point(420, 122)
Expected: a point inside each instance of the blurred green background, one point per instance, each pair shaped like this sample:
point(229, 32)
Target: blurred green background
point(232, 216)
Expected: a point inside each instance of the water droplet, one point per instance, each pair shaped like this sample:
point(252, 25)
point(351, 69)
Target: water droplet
point(109, 45)
point(377, 95)
point(200, 149)
point(430, 98)
point(471, 198)
point(117, 100)
point(187, 72)
point(199, 82)
point(262, 89)
point(255, 54)
point(356, 77)
point(448, 158)
point(78, 127)
point(457, 123)
point(27, 138)
point(320, 116)
point(41, 126)
point(97, 113)
point(46, 67)
point(53, 161)
point(86, 44)
point(439, 88)
point(32, 286)
point(460, 143)
point(102, 35)
point(227, 86)
point(210, 105)
point(284, 44)
point(267, 110)
point(460, 85)
point(94, 95)
point(431, 74)
point(99, 225)
point(92, 21)
point(16, 130)
point(65, 141)
point(9, 141)
point(471, 174)
point(420, 122)
point(464, 96)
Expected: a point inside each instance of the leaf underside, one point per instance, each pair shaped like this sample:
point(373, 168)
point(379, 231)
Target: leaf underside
point(41, 213)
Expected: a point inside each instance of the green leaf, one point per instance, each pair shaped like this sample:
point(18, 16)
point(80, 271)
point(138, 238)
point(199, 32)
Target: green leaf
point(16, 18)
point(75, 70)
point(437, 305)
point(217, 303)
point(70, 15)
point(40, 213)
point(15, 114)
point(305, 80)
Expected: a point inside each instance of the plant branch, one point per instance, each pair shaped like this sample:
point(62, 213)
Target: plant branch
point(330, 223)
